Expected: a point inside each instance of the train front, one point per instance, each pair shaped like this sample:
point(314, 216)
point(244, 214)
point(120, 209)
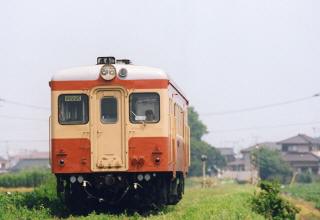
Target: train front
point(110, 133)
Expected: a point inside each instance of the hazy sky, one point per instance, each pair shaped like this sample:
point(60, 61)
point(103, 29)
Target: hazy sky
point(225, 55)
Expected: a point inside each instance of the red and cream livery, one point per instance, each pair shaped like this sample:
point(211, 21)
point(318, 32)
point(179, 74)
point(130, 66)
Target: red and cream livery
point(118, 132)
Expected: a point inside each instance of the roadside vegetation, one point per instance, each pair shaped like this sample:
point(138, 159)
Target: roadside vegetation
point(26, 178)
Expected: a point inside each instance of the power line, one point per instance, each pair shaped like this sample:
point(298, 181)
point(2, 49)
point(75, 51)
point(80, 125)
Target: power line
point(255, 108)
point(265, 127)
point(23, 118)
point(24, 104)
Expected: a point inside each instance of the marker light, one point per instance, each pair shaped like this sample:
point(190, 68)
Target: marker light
point(108, 72)
point(123, 73)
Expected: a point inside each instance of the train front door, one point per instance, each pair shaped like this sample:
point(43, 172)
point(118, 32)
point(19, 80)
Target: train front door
point(108, 146)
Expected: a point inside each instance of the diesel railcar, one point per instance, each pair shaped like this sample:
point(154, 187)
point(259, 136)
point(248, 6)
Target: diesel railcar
point(119, 132)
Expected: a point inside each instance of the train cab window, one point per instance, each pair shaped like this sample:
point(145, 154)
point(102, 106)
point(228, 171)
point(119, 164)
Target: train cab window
point(109, 112)
point(144, 107)
point(73, 109)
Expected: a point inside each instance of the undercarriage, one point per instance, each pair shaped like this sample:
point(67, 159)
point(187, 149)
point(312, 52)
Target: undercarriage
point(85, 191)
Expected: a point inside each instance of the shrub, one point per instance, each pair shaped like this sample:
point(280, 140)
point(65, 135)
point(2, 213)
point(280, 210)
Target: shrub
point(305, 177)
point(270, 204)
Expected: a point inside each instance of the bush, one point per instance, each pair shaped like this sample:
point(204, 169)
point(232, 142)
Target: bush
point(26, 178)
point(305, 177)
point(269, 203)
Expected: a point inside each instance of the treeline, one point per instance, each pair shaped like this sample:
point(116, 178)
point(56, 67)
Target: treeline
point(26, 178)
point(199, 147)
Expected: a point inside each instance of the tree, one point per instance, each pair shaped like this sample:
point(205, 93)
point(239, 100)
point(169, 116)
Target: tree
point(270, 165)
point(199, 147)
point(197, 128)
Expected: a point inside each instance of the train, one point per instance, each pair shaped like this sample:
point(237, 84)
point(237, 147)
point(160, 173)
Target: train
point(118, 134)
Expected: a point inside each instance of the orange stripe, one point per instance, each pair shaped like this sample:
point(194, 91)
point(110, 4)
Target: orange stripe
point(129, 84)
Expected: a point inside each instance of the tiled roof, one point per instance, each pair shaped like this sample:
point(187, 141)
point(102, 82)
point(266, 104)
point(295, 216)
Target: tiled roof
point(226, 151)
point(269, 145)
point(38, 155)
point(237, 162)
point(300, 139)
point(295, 157)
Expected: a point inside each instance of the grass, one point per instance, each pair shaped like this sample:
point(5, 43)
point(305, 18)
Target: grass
point(220, 201)
point(307, 209)
point(309, 192)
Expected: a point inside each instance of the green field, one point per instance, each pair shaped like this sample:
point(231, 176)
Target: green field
point(223, 201)
point(308, 192)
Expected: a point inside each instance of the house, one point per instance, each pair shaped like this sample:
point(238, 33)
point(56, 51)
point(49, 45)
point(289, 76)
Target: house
point(248, 151)
point(239, 169)
point(236, 165)
point(300, 143)
point(3, 165)
point(30, 160)
point(302, 153)
point(227, 153)
point(303, 162)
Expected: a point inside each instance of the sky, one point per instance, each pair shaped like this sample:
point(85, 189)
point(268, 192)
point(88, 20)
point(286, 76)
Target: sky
point(225, 55)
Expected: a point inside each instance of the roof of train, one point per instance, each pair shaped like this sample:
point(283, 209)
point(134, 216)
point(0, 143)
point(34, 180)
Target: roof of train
point(93, 72)
point(134, 72)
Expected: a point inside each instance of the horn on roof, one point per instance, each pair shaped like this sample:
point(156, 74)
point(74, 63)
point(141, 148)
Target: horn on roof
point(106, 60)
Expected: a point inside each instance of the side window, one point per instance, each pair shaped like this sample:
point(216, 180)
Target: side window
point(144, 107)
point(109, 110)
point(179, 114)
point(73, 109)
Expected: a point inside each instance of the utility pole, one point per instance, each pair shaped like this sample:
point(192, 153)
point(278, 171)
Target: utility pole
point(203, 159)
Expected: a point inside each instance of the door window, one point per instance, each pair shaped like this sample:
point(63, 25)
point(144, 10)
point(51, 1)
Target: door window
point(109, 110)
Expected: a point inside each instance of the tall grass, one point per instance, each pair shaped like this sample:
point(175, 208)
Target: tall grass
point(26, 178)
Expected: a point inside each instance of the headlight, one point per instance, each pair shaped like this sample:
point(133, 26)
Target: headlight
point(73, 179)
point(147, 177)
point(108, 72)
point(140, 177)
point(80, 179)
